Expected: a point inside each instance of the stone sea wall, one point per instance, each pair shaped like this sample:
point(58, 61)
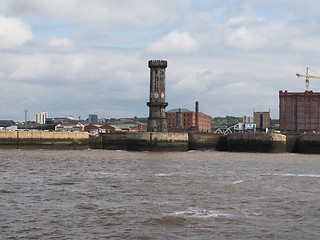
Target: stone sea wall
point(237, 142)
point(146, 141)
point(309, 143)
point(153, 141)
point(43, 135)
point(207, 141)
point(257, 142)
point(45, 140)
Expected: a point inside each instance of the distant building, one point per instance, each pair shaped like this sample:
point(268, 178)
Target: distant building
point(250, 127)
point(102, 121)
point(262, 121)
point(7, 125)
point(107, 128)
point(247, 119)
point(185, 120)
point(299, 111)
point(41, 117)
point(49, 120)
point(65, 119)
point(132, 127)
point(93, 119)
point(91, 128)
point(70, 127)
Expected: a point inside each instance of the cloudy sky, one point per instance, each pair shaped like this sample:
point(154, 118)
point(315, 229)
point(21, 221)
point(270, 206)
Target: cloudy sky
point(80, 57)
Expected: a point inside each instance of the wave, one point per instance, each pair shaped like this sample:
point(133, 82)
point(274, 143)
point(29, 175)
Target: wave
point(291, 175)
point(164, 174)
point(301, 175)
point(237, 182)
point(199, 213)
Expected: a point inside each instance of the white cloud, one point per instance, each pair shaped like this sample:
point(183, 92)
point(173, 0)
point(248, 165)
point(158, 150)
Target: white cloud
point(246, 39)
point(88, 56)
point(60, 42)
point(174, 43)
point(242, 20)
point(142, 12)
point(13, 32)
point(30, 67)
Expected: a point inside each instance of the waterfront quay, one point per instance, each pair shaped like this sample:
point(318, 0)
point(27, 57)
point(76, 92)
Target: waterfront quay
point(157, 141)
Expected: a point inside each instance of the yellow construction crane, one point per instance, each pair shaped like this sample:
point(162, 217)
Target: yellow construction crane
point(307, 76)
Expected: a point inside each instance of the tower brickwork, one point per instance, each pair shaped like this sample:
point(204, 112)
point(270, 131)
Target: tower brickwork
point(157, 103)
point(299, 111)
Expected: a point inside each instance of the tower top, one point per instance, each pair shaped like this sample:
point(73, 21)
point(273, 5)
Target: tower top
point(157, 63)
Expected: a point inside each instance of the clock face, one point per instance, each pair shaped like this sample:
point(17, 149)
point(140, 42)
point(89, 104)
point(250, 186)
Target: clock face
point(156, 95)
point(162, 95)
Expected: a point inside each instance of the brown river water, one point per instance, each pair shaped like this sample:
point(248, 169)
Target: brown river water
point(145, 195)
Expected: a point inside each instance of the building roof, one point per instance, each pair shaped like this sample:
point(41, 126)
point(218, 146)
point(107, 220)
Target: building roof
point(183, 110)
point(5, 123)
point(177, 110)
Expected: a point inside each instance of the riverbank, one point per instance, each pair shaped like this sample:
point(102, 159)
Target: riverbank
point(48, 140)
point(149, 141)
point(235, 142)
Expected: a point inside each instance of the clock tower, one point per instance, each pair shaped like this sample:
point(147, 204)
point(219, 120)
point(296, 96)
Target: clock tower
point(157, 103)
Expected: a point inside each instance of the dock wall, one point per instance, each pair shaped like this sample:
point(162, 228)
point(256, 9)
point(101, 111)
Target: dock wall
point(152, 141)
point(258, 142)
point(207, 141)
point(45, 140)
point(146, 141)
point(309, 143)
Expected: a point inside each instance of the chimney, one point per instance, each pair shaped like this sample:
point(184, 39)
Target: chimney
point(197, 116)
point(179, 118)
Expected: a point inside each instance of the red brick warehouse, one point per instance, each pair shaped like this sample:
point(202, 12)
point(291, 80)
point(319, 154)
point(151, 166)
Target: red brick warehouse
point(185, 120)
point(299, 111)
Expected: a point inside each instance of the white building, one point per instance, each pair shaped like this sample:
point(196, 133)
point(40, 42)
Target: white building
point(247, 119)
point(41, 117)
point(69, 127)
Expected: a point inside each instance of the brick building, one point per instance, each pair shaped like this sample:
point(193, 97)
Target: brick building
point(69, 127)
point(91, 128)
point(107, 128)
point(185, 120)
point(299, 111)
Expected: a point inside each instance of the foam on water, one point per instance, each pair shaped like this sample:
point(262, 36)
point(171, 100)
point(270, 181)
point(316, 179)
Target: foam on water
point(165, 174)
point(237, 182)
point(301, 175)
point(199, 213)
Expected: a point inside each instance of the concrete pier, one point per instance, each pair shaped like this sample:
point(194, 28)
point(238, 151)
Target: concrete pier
point(257, 142)
point(146, 141)
point(161, 141)
point(207, 141)
point(309, 143)
point(45, 140)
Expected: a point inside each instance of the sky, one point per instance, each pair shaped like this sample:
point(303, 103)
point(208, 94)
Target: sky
point(79, 57)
